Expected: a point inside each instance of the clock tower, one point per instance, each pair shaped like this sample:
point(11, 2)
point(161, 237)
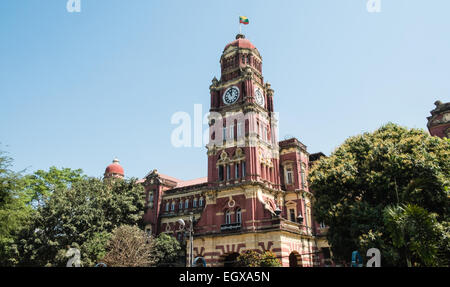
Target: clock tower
point(256, 195)
point(243, 143)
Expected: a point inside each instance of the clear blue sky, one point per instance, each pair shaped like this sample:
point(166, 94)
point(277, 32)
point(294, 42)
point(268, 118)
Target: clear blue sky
point(78, 89)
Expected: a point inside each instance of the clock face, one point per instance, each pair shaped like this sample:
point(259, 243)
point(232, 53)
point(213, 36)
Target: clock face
point(231, 95)
point(259, 97)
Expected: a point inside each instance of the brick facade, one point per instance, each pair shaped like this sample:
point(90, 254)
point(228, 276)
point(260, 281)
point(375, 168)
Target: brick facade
point(255, 195)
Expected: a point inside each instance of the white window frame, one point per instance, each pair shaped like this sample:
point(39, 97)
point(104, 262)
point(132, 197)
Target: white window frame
point(239, 130)
point(238, 216)
point(228, 217)
point(289, 175)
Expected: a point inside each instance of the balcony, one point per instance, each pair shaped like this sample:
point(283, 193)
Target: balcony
point(230, 226)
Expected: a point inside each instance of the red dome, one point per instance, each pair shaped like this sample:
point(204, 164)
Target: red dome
point(241, 42)
point(114, 168)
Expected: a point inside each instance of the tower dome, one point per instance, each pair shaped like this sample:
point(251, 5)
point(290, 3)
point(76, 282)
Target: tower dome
point(114, 170)
point(241, 42)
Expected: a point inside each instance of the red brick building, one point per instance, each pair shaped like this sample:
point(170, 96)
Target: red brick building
point(256, 194)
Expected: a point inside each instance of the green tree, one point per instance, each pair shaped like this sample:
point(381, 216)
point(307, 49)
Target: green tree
point(14, 213)
point(252, 258)
point(41, 184)
point(83, 213)
point(391, 166)
point(165, 250)
point(415, 232)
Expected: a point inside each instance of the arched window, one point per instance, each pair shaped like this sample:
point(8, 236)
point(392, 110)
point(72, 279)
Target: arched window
point(186, 203)
point(238, 216)
point(221, 177)
point(194, 203)
point(200, 203)
point(243, 169)
point(167, 206)
point(181, 204)
point(228, 217)
point(173, 206)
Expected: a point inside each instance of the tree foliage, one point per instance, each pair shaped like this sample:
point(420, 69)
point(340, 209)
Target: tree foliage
point(14, 213)
point(367, 173)
point(39, 185)
point(165, 250)
point(83, 213)
point(416, 232)
point(128, 247)
point(251, 258)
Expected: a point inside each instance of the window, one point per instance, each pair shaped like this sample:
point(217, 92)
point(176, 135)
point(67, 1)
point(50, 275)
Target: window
point(236, 170)
point(200, 202)
point(173, 205)
point(231, 135)
point(221, 177)
point(180, 206)
point(228, 217)
point(239, 130)
point(243, 169)
point(265, 133)
point(322, 225)
point(150, 200)
point(292, 215)
point(194, 203)
point(224, 133)
point(186, 203)
point(167, 206)
point(289, 179)
point(228, 172)
point(238, 215)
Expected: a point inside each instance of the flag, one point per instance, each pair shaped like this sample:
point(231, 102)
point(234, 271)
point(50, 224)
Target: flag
point(243, 20)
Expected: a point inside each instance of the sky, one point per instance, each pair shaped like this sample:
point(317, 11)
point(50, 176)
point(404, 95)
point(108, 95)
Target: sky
point(78, 89)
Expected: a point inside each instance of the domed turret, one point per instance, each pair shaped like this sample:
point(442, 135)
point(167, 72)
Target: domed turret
point(114, 170)
point(439, 121)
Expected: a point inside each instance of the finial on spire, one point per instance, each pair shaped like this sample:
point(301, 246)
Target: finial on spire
point(116, 160)
point(240, 36)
